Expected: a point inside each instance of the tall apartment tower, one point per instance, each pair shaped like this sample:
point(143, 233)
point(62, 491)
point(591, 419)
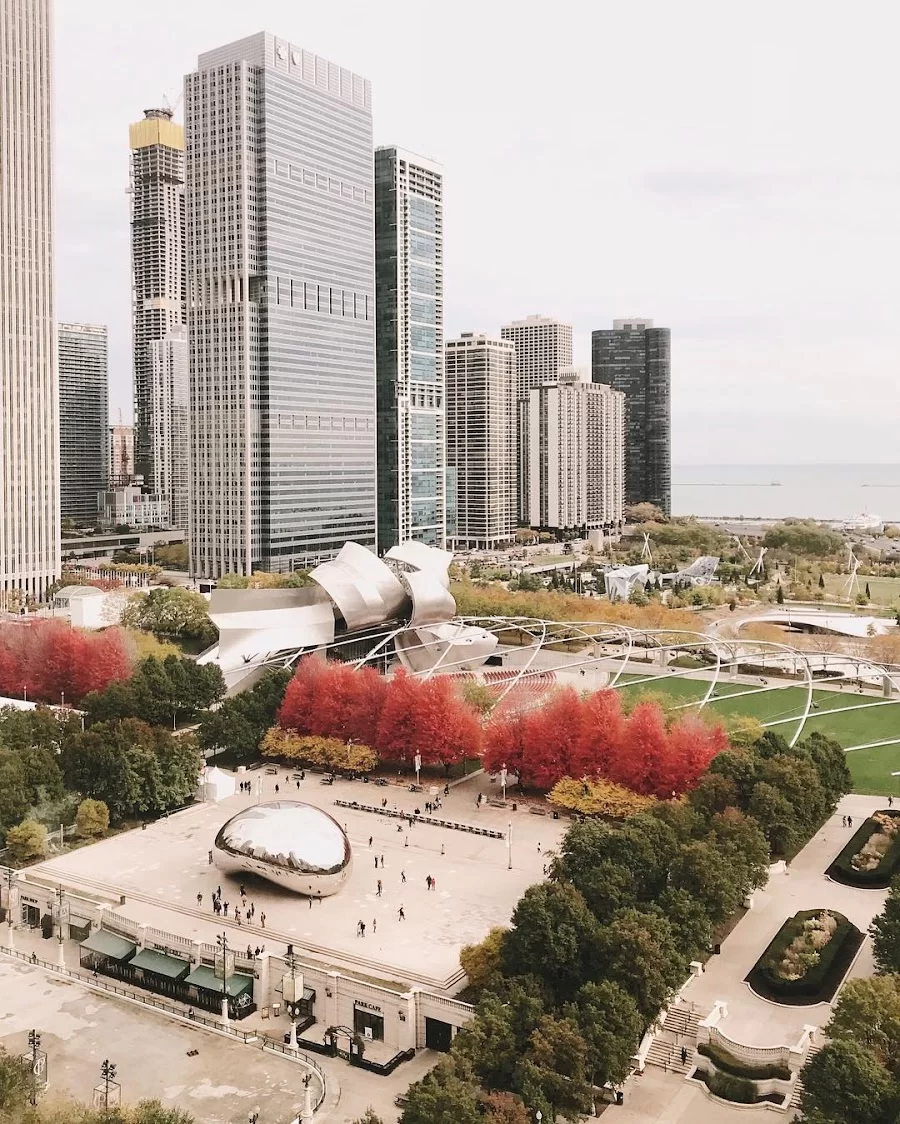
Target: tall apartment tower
point(169, 397)
point(29, 409)
point(121, 455)
point(543, 348)
point(572, 455)
point(279, 197)
point(634, 357)
point(409, 318)
point(158, 283)
point(480, 375)
point(83, 419)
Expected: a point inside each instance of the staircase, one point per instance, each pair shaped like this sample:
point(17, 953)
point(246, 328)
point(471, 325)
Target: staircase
point(797, 1094)
point(679, 1029)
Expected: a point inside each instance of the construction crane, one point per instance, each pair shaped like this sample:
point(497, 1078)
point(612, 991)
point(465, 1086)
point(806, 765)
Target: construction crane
point(173, 109)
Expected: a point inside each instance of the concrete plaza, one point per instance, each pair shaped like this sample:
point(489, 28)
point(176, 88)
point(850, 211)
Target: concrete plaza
point(219, 1085)
point(161, 870)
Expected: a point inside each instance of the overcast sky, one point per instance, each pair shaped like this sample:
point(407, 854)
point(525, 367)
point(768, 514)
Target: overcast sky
point(731, 171)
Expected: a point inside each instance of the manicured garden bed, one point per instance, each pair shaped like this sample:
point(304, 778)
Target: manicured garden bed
point(826, 960)
point(738, 1090)
point(876, 877)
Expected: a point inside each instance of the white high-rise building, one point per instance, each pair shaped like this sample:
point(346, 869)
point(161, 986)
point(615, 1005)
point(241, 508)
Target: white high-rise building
point(29, 394)
point(158, 278)
point(280, 239)
point(480, 378)
point(572, 455)
point(169, 398)
point(409, 309)
point(543, 348)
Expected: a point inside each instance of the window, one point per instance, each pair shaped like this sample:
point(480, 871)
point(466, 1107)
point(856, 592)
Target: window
point(422, 246)
point(423, 310)
point(422, 339)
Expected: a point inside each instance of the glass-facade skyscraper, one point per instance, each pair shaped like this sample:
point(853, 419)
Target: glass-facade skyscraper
point(29, 393)
point(409, 311)
point(634, 357)
point(83, 419)
point(279, 206)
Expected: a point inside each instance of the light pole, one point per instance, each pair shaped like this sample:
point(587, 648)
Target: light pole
point(503, 780)
point(222, 942)
point(60, 950)
point(293, 1004)
point(509, 846)
point(108, 1073)
point(10, 931)
point(417, 762)
point(896, 775)
point(34, 1041)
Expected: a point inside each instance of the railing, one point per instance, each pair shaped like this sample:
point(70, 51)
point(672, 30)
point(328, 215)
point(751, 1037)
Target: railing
point(457, 1005)
point(760, 1055)
point(435, 821)
point(298, 1055)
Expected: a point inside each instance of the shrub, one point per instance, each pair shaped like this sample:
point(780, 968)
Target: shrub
point(28, 841)
point(92, 818)
point(729, 1064)
point(598, 798)
point(821, 979)
point(729, 1088)
point(323, 753)
point(877, 877)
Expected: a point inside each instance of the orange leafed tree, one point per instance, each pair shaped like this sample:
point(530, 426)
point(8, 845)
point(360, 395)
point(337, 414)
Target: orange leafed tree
point(45, 660)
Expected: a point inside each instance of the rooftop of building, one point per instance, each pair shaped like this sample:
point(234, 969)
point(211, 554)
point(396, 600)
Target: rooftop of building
point(537, 319)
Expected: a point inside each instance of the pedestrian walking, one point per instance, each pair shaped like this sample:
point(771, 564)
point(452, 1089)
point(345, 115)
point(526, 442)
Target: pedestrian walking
point(382, 862)
point(375, 857)
point(849, 821)
point(843, 821)
point(683, 1055)
point(401, 916)
point(402, 875)
point(890, 801)
point(252, 910)
point(446, 789)
point(359, 928)
point(249, 915)
point(199, 899)
point(276, 789)
point(374, 924)
point(210, 858)
point(370, 840)
point(218, 891)
point(433, 883)
point(237, 917)
point(442, 848)
point(428, 881)
point(298, 786)
point(262, 920)
point(225, 909)
point(363, 927)
point(378, 891)
point(539, 848)
point(406, 842)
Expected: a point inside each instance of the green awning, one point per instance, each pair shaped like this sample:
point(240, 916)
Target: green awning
point(161, 963)
point(204, 976)
point(108, 944)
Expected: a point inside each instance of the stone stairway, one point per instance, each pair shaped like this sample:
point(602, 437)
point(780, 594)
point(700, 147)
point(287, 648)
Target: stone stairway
point(797, 1093)
point(679, 1029)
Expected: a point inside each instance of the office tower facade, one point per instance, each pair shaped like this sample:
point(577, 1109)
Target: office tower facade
point(121, 455)
point(169, 398)
point(543, 347)
point(29, 412)
point(83, 418)
point(279, 205)
point(409, 318)
point(572, 455)
point(157, 270)
point(480, 378)
point(634, 357)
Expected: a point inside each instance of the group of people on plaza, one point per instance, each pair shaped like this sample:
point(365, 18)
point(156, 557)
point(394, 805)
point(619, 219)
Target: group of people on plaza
point(245, 911)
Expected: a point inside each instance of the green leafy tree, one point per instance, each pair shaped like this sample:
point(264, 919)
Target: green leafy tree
point(692, 927)
point(705, 872)
point(743, 843)
point(28, 841)
point(830, 762)
point(885, 932)
point(15, 1083)
point(775, 816)
point(868, 1013)
point(846, 1084)
point(554, 935)
point(177, 613)
point(504, 1108)
point(714, 793)
point(554, 1070)
point(611, 1026)
point(638, 952)
point(240, 723)
point(14, 795)
point(443, 1096)
point(92, 818)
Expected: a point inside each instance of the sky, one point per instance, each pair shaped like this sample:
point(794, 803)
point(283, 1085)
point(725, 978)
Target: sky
point(729, 170)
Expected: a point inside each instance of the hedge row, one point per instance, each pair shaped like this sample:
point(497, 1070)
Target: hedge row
point(843, 871)
point(820, 983)
point(734, 1067)
point(736, 1089)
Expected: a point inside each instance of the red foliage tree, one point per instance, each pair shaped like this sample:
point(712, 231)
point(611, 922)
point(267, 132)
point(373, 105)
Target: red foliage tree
point(334, 700)
point(429, 717)
point(636, 759)
point(47, 660)
point(692, 745)
point(603, 729)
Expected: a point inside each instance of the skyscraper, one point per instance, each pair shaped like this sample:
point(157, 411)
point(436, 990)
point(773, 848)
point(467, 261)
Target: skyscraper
point(83, 419)
point(543, 347)
point(480, 375)
point(29, 412)
point(572, 455)
point(409, 311)
point(634, 357)
point(121, 455)
point(169, 399)
point(279, 196)
point(158, 279)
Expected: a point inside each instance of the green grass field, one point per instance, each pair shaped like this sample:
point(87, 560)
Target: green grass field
point(871, 768)
point(884, 591)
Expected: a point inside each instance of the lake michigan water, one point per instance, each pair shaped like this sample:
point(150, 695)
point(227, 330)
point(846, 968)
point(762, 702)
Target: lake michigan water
point(776, 491)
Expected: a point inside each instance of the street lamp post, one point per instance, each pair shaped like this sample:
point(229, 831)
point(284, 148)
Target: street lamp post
point(108, 1073)
point(10, 931)
point(509, 846)
point(292, 1005)
point(222, 942)
point(34, 1041)
point(503, 780)
point(60, 948)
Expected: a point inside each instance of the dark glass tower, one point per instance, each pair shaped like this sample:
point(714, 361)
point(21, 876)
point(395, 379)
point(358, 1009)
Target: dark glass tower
point(634, 357)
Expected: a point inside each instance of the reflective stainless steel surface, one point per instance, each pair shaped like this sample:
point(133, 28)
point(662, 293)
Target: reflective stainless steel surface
point(294, 844)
